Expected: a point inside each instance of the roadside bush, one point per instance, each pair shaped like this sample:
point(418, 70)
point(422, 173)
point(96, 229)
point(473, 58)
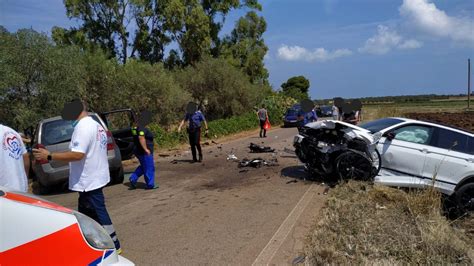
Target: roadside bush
point(366, 224)
point(276, 106)
point(222, 127)
point(217, 128)
point(35, 77)
point(143, 86)
point(223, 89)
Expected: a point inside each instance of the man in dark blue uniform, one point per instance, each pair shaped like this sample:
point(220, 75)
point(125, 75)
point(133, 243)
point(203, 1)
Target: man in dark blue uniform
point(307, 114)
point(195, 118)
point(144, 144)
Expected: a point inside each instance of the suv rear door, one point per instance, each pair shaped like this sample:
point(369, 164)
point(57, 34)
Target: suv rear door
point(119, 122)
point(447, 159)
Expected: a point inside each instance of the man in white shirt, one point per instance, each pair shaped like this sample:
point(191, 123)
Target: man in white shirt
point(88, 164)
point(14, 160)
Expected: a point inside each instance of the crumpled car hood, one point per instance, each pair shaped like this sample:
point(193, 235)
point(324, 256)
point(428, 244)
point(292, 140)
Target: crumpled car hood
point(351, 131)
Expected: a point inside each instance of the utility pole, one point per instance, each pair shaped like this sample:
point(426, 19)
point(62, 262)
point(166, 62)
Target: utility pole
point(468, 83)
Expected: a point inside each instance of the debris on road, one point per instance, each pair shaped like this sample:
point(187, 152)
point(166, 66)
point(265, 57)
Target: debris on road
point(292, 181)
point(298, 260)
point(290, 151)
point(326, 190)
point(232, 157)
point(257, 163)
point(164, 155)
point(260, 149)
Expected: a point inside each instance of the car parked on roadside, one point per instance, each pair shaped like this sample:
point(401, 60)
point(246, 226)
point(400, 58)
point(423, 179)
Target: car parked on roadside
point(34, 231)
point(55, 134)
point(290, 119)
point(324, 111)
point(419, 154)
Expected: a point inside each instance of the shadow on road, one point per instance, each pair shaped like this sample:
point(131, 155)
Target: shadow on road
point(296, 171)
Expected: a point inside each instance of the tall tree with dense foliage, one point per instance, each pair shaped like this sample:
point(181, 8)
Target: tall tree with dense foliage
point(144, 28)
point(103, 22)
point(246, 47)
point(296, 87)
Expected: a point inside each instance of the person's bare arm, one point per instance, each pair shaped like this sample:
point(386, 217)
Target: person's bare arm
point(68, 156)
point(181, 125)
point(26, 162)
point(142, 141)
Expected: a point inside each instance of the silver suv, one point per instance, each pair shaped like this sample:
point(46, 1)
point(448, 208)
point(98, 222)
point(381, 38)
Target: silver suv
point(55, 134)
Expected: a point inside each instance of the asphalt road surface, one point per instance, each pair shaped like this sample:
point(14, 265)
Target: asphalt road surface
point(214, 212)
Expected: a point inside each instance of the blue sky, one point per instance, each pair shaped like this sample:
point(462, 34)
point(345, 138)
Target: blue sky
point(346, 48)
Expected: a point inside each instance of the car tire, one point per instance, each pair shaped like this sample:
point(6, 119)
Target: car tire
point(118, 176)
point(354, 165)
point(464, 198)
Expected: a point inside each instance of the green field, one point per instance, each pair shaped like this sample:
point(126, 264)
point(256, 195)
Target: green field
point(375, 111)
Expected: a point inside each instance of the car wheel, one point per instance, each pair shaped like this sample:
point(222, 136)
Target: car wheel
point(354, 165)
point(376, 162)
point(465, 198)
point(118, 176)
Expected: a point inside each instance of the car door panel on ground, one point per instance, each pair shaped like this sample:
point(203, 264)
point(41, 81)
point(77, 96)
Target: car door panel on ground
point(119, 123)
point(406, 153)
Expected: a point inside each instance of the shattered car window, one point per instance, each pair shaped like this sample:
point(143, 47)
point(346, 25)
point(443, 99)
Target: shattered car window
point(379, 124)
point(415, 134)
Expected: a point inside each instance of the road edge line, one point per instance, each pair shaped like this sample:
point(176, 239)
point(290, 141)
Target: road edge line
point(268, 252)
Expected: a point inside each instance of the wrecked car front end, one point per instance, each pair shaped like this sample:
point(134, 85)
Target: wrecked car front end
point(335, 149)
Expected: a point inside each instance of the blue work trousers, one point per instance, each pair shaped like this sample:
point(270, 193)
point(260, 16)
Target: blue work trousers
point(92, 204)
point(146, 168)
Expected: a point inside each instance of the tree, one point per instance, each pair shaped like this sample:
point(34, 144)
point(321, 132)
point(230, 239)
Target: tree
point(223, 89)
point(296, 87)
point(246, 47)
point(151, 35)
point(103, 22)
point(32, 80)
point(143, 28)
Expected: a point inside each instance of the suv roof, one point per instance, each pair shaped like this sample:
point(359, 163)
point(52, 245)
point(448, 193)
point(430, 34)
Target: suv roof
point(55, 118)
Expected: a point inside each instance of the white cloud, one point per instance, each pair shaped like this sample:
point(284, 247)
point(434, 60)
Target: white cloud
point(297, 53)
point(410, 44)
point(426, 17)
point(387, 39)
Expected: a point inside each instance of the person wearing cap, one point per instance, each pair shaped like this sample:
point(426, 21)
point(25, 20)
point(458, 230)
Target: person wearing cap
point(88, 165)
point(14, 160)
point(195, 118)
point(143, 150)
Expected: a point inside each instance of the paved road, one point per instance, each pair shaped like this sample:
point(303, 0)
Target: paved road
point(212, 213)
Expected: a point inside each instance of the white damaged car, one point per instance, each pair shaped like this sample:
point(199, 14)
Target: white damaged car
point(412, 153)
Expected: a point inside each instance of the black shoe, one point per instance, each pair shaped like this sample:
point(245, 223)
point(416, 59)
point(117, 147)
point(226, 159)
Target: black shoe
point(200, 158)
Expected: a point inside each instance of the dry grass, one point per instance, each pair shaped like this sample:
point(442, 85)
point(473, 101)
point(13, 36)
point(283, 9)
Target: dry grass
point(366, 224)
